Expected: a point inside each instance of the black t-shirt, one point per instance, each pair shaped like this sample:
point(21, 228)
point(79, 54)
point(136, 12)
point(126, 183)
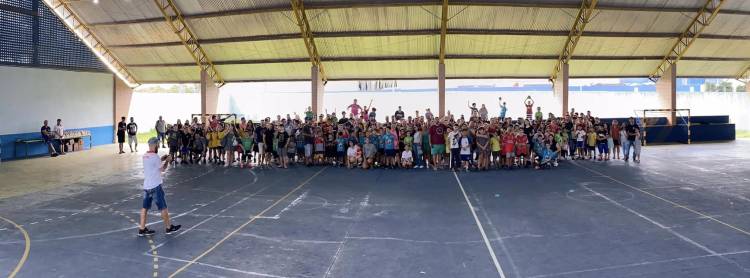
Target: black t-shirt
point(269, 136)
point(283, 137)
point(45, 132)
point(259, 131)
point(398, 115)
point(132, 129)
point(601, 136)
point(307, 132)
point(121, 126)
point(631, 129)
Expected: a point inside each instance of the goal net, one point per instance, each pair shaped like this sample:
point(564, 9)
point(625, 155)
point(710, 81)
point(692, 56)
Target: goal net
point(664, 125)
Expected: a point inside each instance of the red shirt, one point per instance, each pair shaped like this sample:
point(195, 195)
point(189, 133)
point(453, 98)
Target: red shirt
point(522, 139)
point(437, 134)
point(509, 139)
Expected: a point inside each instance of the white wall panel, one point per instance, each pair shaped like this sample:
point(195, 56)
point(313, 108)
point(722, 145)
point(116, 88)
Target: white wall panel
point(28, 96)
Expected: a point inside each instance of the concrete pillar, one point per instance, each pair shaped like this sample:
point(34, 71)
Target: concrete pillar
point(318, 90)
point(666, 91)
point(560, 91)
point(121, 96)
point(441, 90)
point(209, 94)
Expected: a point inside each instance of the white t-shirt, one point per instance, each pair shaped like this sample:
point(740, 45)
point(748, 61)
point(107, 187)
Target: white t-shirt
point(406, 156)
point(351, 151)
point(465, 146)
point(453, 137)
point(151, 171)
point(59, 131)
point(580, 135)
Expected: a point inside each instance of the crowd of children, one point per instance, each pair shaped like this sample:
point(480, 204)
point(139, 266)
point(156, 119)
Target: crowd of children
point(357, 140)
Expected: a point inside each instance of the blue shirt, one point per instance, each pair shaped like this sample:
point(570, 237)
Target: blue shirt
point(340, 144)
point(388, 141)
point(503, 109)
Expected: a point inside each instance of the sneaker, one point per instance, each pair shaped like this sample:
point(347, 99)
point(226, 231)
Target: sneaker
point(172, 229)
point(145, 232)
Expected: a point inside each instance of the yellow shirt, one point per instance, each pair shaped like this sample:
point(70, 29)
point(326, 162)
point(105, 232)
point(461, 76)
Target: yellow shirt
point(591, 138)
point(495, 144)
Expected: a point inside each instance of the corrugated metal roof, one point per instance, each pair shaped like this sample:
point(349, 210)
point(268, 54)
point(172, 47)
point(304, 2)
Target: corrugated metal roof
point(598, 46)
point(259, 50)
point(584, 68)
point(504, 45)
point(180, 74)
point(512, 18)
point(298, 70)
point(154, 55)
point(115, 10)
point(494, 68)
point(378, 46)
point(403, 39)
point(377, 18)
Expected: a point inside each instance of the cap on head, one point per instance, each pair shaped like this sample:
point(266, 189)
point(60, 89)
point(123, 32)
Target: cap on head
point(153, 141)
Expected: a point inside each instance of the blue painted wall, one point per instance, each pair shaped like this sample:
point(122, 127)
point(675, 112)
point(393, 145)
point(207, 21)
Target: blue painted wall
point(100, 135)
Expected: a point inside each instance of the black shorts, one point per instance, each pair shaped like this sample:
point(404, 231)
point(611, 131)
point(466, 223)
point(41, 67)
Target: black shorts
point(120, 137)
point(616, 142)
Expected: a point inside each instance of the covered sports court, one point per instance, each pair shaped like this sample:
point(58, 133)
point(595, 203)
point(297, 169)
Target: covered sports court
point(683, 212)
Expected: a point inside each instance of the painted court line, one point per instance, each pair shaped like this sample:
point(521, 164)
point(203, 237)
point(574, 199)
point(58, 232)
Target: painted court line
point(217, 244)
point(668, 201)
point(481, 229)
point(568, 273)
point(671, 231)
point(208, 219)
point(27, 247)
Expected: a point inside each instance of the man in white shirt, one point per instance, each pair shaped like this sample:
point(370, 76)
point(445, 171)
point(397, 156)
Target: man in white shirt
point(59, 135)
point(153, 167)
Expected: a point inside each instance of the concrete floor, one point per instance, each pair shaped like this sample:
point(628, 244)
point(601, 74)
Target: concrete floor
point(683, 212)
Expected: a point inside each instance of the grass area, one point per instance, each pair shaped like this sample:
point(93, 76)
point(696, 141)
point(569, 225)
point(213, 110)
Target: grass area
point(742, 134)
point(143, 137)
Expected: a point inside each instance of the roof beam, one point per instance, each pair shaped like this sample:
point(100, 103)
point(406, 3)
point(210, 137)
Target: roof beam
point(744, 75)
point(447, 56)
point(427, 32)
point(174, 18)
point(443, 30)
point(705, 16)
point(307, 36)
point(401, 3)
point(424, 78)
point(82, 31)
point(585, 12)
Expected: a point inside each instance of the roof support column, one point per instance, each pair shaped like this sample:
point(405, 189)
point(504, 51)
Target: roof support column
point(666, 91)
point(122, 94)
point(441, 90)
point(318, 90)
point(560, 89)
point(209, 94)
point(441, 65)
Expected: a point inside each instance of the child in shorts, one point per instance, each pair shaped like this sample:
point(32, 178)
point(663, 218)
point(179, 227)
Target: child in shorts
point(591, 144)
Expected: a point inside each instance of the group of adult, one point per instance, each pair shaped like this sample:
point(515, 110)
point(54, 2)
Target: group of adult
point(421, 140)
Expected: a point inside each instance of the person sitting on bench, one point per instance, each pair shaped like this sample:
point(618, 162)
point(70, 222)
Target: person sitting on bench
point(47, 136)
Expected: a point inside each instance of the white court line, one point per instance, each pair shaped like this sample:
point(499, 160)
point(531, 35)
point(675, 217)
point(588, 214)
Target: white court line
point(568, 273)
point(680, 236)
point(666, 200)
point(481, 229)
point(252, 273)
